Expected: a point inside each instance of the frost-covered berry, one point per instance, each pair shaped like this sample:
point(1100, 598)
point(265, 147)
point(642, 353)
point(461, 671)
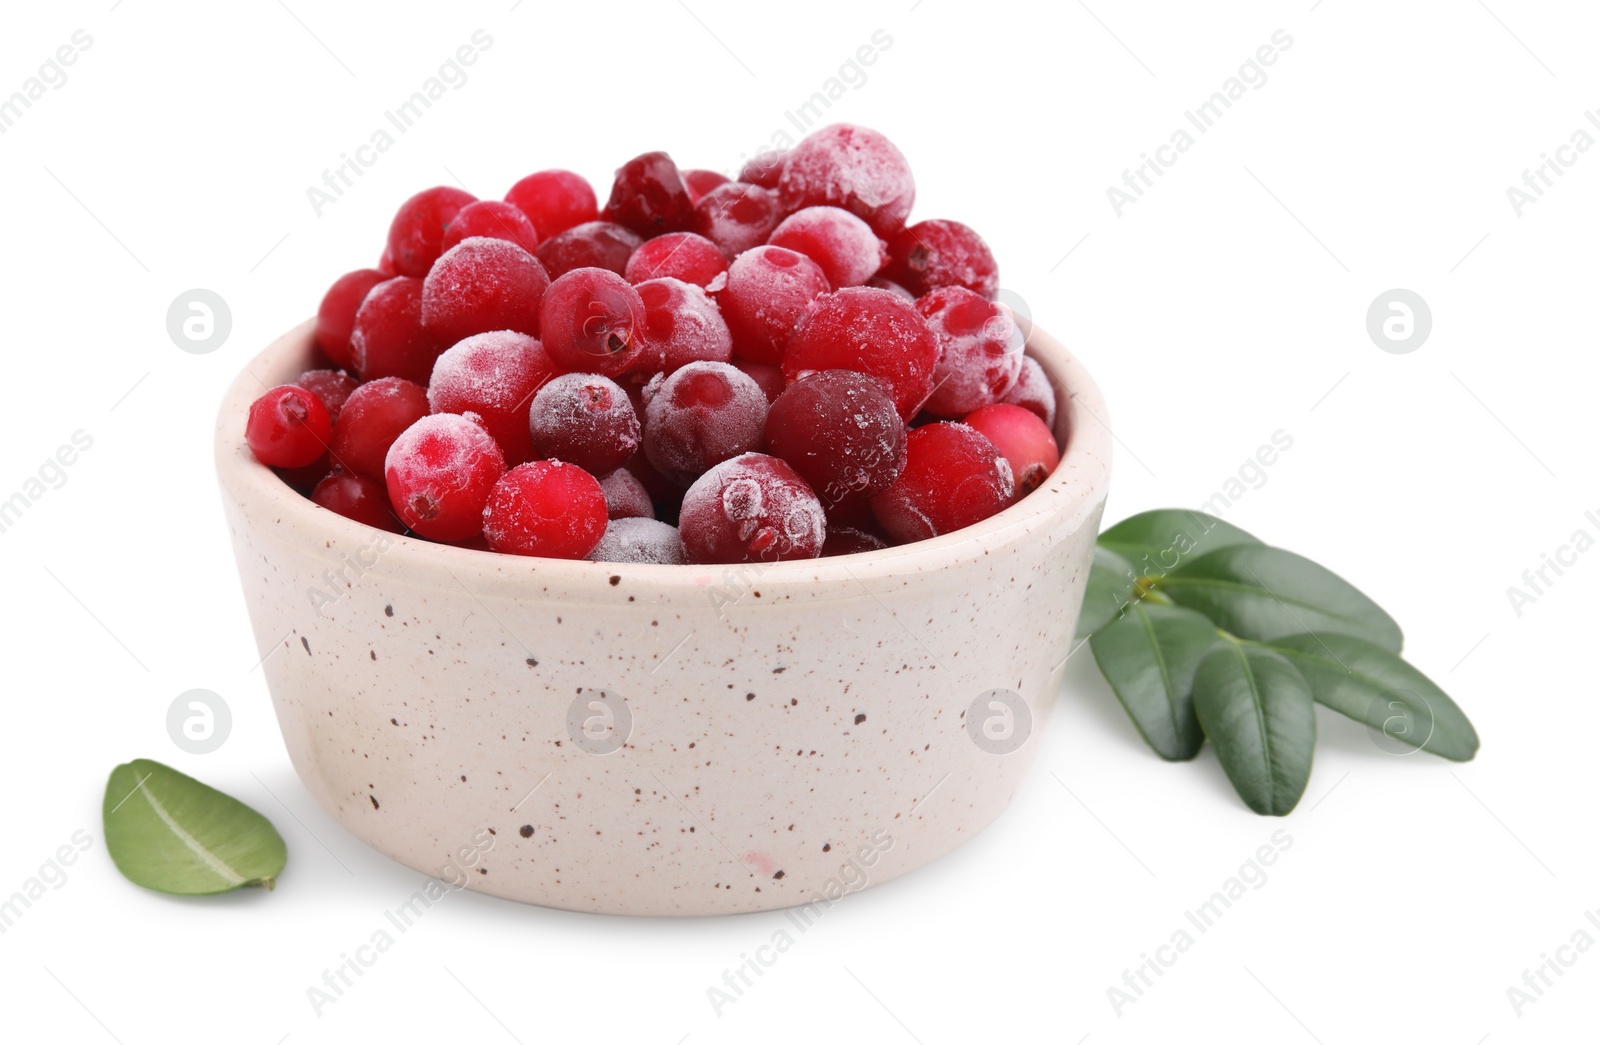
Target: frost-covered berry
point(333, 387)
point(594, 244)
point(439, 473)
point(939, 253)
point(680, 255)
point(388, 339)
point(1033, 391)
point(842, 245)
point(591, 320)
point(372, 419)
point(482, 284)
point(494, 219)
point(681, 325)
point(586, 419)
point(954, 477)
point(766, 291)
point(736, 216)
point(751, 508)
point(703, 414)
point(842, 165)
point(870, 330)
point(493, 375)
point(639, 540)
point(700, 182)
point(980, 350)
point(840, 431)
point(626, 497)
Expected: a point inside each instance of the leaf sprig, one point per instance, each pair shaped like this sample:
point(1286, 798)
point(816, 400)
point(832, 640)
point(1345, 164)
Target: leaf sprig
point(1206, 633)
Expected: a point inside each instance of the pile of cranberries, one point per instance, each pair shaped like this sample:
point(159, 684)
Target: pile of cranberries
point(703, 371)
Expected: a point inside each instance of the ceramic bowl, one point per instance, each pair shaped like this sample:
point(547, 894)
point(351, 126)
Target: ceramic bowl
point(663, 740)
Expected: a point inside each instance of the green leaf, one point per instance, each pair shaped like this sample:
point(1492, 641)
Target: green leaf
point(1157, 542)
point(1110, 585)
point(1372, 685)
point(1262, 593)
point(169, 832)
point(1258, 714)
point(1149, 656)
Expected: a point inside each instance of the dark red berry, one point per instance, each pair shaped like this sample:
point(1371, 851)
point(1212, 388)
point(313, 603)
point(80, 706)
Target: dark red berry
point(736, 216)
point(954, 477)
point(767, 290)
point(336, 316)
point(703, 414)
point(372, 419)
point(842, 165)
point(493, 375)
point(680, 255)
point(494, 219)
point(847, 540)
point(649, 197)
point(439, 474)
point(480, 285)
point(288, 427)
point(752, 508)
point(700, 182)
point(594, 244)
point(980, 350)
point(591, 320)
point(333, 387)
point(870, 330)
point(1028, 446)
point(585, 419)
point(842, 245)
point(763, 170)
point(938, 253)
point(841, 432)
point(554, 201)
point(389, 339)
point(416, 235)
point(548, 508)
point(357, 497)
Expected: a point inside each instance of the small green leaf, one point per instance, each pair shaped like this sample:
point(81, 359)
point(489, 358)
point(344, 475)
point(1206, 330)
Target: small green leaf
point(1258, 714)
point(169, 832)
point(1149, 656)
point(1157, 542)
point(1372, 685)
point(1110, 585)
point(1262, 593)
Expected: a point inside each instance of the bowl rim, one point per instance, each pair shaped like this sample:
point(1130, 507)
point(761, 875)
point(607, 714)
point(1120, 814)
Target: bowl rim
point(1075, 489)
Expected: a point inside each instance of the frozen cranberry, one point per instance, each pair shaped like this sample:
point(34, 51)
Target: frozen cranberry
point(681, 255)
point(1033, 391)
point(626, 497)
point(769, 376)
point(594, 244)
point(333, 387)
point(639, 540)
point(892, 287)
point(493, 375)
point(416, 235)
point(851, 167)
point(681, 325)
point(842, 245)
point(861, 328)
point(592, 320)
point(1022, 438)
point(752, 508)
point(585, 419)
point(648, 196)
point(389, 339)
point(767, 289)
point(980, 350)
point(337, 313)
point(439, 474)
point(840, 430)
point(700, 182)
point(704, 414)
point(662, 491)
point(554, 201)
point(288, 427)
point(494, 219)
point(953, 478)
point(736, 216)
point(847, 540)
point(763, 170)
point(938, 253)
point(357, 497)
point(483, 284)
point(548, 508)
point(305, 478)
point(372, 419)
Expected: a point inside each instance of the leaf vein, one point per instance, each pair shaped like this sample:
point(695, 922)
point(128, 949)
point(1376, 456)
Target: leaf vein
point(194, 845)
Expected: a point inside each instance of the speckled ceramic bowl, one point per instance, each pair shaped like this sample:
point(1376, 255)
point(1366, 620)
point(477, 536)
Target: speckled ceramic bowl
point(672, 740)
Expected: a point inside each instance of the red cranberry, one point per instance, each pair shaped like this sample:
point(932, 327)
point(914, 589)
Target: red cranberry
point(844, 246)
point(736, 216)
point(680, 255)
point(547, 508)
point(663, 491)
point(639, 541)
point(1034, 392)
point(938, 253)
point(416, 235)
point(357, 497)
point(980, 350)
point(493, 375)
point(585, 419)
point(1028, 446)
point(333, 387)
point(703, 414)
point(769, 376)
point(648, 196)
point(840, 430)
point(752, 508)
point(337, 313)
point(847, 540)
point(439, 474)
point(389, 339)
point(592, 319)
point(860, 328)
point(554, 201)
point(372, 418)
point(594, 244)
point(481, 285)
point(953, 478)
point(626, 497)
point(767, 289)
point(288, 427)
point(892, 287)
point(700, 182)
point(493, 219)
point(305, 478)
point(763, 170)
point(851, 167)
point(681, 325)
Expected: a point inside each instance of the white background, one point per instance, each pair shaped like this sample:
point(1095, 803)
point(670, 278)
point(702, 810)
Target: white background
point(1225, 305)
